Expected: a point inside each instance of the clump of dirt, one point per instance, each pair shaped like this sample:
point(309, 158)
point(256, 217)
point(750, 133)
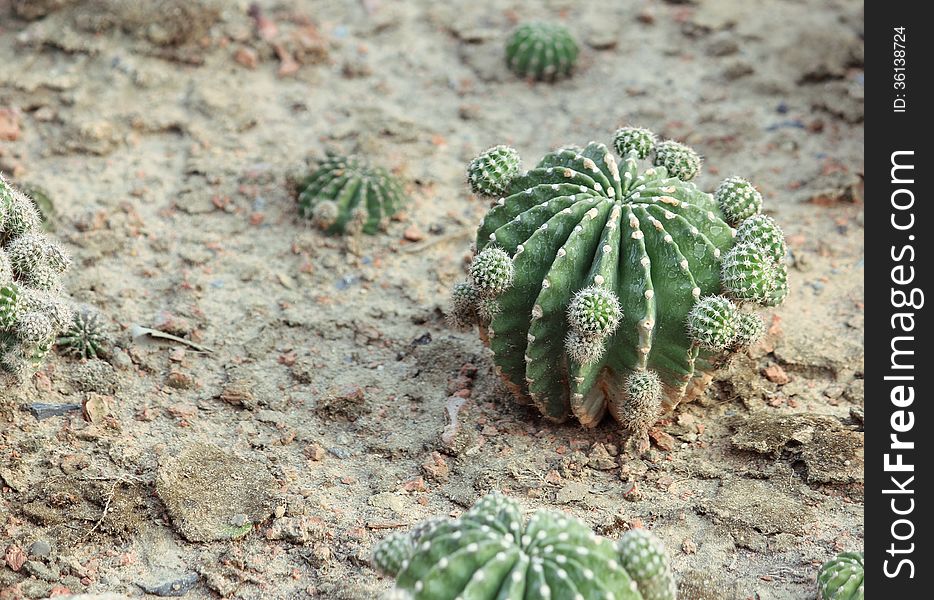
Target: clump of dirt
point(213, 495)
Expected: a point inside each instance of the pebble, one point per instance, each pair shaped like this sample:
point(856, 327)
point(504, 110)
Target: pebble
point(40, 548)
point(776, 374)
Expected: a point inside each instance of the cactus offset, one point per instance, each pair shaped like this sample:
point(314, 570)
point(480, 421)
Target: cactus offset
point(543, 51)
point(346, 194)
point(607, 277)
point(86, 336)
point(32, 308)
point(491, 552)
point(490, 173)
point(841, 578)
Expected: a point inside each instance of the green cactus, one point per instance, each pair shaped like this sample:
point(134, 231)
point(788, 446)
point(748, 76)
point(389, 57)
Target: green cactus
point(491, 553)
point(841, 578)
point(679, 160)
point(86, 337)
point(347, 194)
point(738, 199)
point(712, 323)
point(599, 270)
point(749, 329)
point(645, 559)
point(634, 139)
point(490, 173)
point(32, 309)
point(542, 51)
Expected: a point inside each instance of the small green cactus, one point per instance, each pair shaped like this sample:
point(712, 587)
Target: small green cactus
point(749, 329)
point(86, 337)
point(347, 194)
point(841, 578)
point(32, 309)
point(712, 323)
point(634, 139)
point(738, 199)
point(490, 173)
point(679, 160)
point(492, 553)
point(606, 277)
point(543, 51)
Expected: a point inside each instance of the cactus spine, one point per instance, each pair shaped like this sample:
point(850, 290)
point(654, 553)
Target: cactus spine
point(32, 307)
point(492, 553)
point(615, 286)
point(543, 51)
point(347, 194)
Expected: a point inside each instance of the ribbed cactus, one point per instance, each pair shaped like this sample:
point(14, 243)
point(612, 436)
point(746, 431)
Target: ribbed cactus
point(347, 194)
point(491, 553)
point(598, 279)
point(32, 308)
point(86, 336)
point(841, 578)
point(543, 51)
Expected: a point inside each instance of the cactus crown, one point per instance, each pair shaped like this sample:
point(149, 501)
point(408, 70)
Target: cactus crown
point(841, 578)
point(32, 309)
point(601, 269)
point(634, 139)
point(543, 51)
point(490, 173)
point(492, 552)
point(347, 194)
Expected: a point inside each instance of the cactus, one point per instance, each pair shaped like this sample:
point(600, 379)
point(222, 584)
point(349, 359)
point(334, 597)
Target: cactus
point(490, 553)
point(645, 559)
point(607, 279)
point(86, 336)
point(841, 578)
point(32, 309)
point(490, 173)
point(542, 51)
point(347, 194)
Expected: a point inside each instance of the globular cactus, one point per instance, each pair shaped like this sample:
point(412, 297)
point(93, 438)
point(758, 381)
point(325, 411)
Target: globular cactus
point(841, 578)
point(606, 278)
point(492, 553)
point(86, 336)
point(543, 51)
point(347, 194)
point(490, 173)
point(33, 310)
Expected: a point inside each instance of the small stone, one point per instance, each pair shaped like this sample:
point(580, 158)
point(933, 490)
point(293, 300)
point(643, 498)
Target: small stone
point(40, 548)
point(9, 125)
point(776, 374)
point(315, 452)
point(413, 234)
point(246, 57)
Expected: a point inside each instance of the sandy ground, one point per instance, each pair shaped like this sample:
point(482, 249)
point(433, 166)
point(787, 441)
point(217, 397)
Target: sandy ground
point(269, 467)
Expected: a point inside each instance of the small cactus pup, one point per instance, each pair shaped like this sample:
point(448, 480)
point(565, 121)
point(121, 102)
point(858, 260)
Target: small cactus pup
point(86, 336)
point(33, 309)
point(841, 578)
point(491, 552)
point(610, 286)
point(541, 51)
point(346, 194)
point(490, 173)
